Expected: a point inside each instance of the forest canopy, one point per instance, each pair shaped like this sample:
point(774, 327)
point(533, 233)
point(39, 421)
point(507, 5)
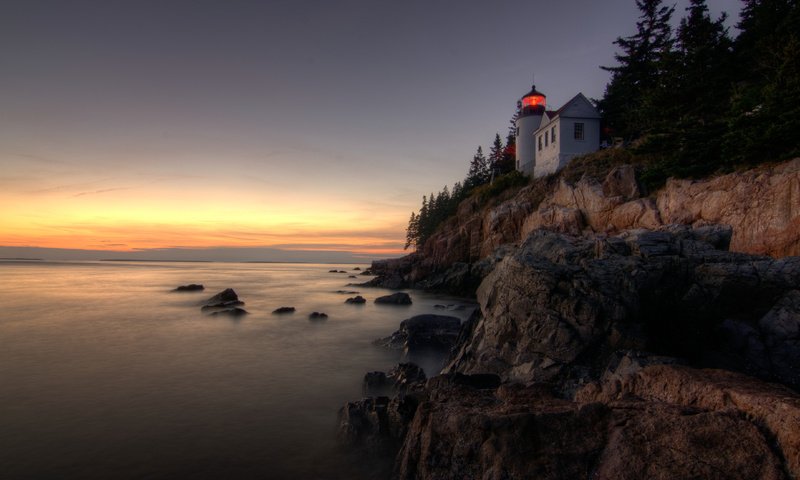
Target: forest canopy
point(693, 100)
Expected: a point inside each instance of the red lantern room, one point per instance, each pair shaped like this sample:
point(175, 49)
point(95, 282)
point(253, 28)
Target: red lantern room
point(533, 103)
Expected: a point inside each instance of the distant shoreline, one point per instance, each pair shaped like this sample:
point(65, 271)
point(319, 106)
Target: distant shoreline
point(121, 260)
point(230, 261)
point(150, 260)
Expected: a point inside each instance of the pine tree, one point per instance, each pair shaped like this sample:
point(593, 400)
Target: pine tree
point(455, 198)
point(478, 170)
point(443, 201)
point(765, 106)
point(427, 224)
point(496, 156)
point(412, 232)
point(702, 86)
point(422, 220)
point(638, 86)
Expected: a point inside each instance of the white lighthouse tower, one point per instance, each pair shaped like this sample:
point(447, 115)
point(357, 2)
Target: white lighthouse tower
point(531, 109)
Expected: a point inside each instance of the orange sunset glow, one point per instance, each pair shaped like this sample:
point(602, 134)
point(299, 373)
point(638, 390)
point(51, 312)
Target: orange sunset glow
point(194, 217)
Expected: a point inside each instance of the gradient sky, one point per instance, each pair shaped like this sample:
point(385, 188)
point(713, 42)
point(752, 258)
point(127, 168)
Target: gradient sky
point(267, 126)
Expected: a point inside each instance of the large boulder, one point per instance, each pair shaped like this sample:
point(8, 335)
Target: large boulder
point(773, 409)
point(399, 298)
point(638, 430)
point(403, 378)
point(225, 299)
point(556, 309)
point(283, 310)
point(424, 332)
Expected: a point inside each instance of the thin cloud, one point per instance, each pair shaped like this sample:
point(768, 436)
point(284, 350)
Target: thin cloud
point(101, 191)
point(37, 158)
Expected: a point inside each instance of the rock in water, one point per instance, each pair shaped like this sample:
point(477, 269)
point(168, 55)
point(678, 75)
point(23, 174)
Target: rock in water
point(376, 384)
point(282, 310)
point(403, 378)
point(399, 298)
point(192, 287)
point(358, 299)
point(227, 295)
point(224, 299)
point(424, 332)
point(232, 312)
point(407, 376)
point(318, 316)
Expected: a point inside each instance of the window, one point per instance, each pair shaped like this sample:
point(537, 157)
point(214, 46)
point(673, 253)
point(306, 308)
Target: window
point(578, 131)
point(540, 142)
point(553, 134)
point(546, 138)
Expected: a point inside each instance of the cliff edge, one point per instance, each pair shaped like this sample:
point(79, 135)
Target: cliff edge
point(761, 206)
point(618, 335)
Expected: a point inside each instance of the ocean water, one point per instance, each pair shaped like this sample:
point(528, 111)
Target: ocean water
point(106, 373)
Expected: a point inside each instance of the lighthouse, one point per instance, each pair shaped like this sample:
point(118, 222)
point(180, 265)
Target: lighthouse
point(531, 109)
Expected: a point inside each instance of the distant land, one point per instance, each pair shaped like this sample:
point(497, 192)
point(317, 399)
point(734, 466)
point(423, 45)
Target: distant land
point(219, 254)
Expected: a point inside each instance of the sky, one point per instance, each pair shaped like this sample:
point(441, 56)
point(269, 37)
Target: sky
point(267, 130)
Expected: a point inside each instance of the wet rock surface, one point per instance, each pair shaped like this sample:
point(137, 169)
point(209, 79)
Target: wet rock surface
point(192, 287)
point(403, 378)
point(283, 310)
point(424, 332)
point(224, 300)
point(399, 298)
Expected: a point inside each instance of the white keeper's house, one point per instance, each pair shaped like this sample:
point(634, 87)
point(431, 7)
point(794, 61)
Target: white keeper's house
point(548, 139)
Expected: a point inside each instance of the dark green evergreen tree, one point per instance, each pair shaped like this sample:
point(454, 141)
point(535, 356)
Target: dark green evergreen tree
point(638, 86)
point(496, 157)
point(457, 195)
point(412, 232)
point(765, 106)
point(701, 92)
point(479, 172)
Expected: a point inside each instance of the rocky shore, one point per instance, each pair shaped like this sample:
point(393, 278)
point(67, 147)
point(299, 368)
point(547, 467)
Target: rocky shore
point(618, 336)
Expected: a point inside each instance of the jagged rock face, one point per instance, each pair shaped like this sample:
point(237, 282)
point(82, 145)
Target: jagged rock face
point(560, 306)
point(774, 409)
point(762, 206)
point(526, 432)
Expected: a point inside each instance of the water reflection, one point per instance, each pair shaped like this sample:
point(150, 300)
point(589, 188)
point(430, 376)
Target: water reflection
point(105, 373)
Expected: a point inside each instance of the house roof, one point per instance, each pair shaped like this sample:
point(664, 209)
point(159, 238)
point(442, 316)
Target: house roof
point(577, 107)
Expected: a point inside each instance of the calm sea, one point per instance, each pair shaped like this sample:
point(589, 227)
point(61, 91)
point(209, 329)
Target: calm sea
point(106, 373)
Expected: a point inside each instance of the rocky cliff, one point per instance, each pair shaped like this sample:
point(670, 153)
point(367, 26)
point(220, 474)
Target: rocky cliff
point(762, 207)
point(618, 336)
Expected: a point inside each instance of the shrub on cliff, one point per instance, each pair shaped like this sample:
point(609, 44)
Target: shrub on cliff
point(500, 184)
